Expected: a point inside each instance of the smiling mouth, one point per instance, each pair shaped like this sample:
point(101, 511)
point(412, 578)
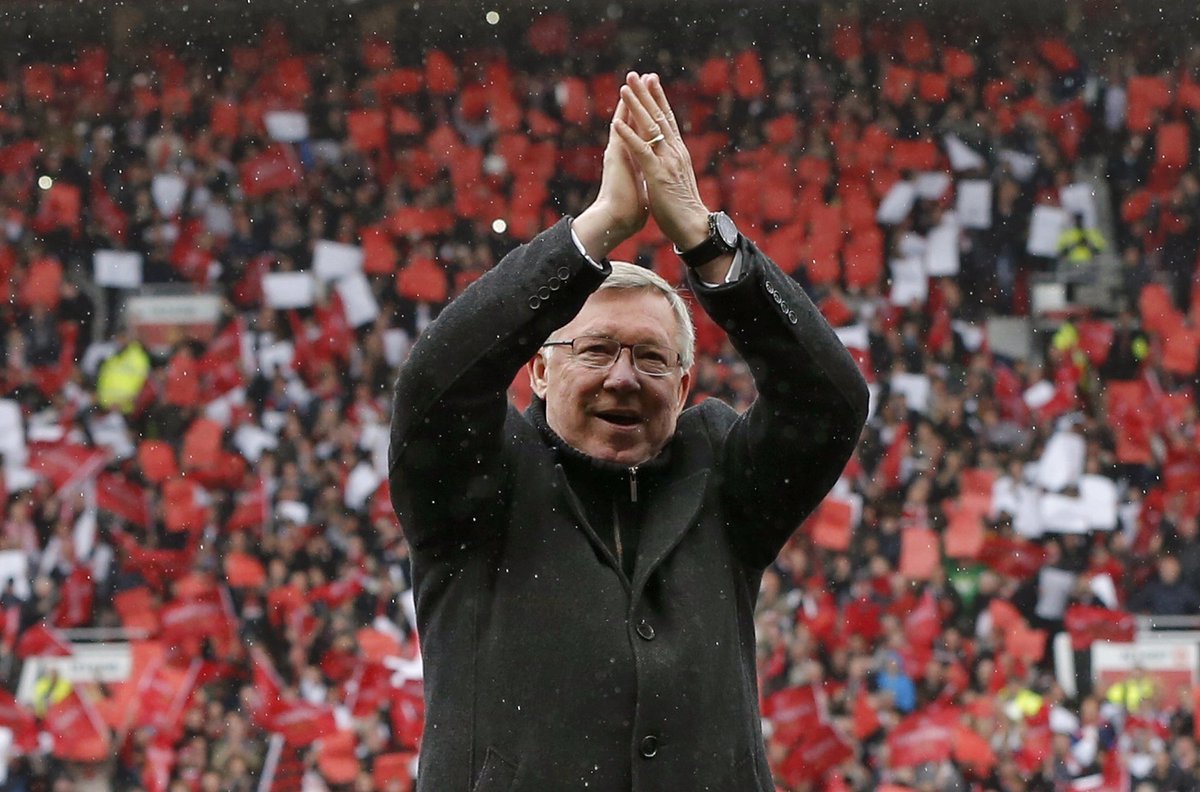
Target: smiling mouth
point(619, 419)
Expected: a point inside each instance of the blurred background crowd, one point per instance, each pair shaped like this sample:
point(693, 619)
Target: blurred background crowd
point(998, 216)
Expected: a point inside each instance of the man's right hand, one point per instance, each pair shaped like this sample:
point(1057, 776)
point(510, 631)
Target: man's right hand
point(621, 207)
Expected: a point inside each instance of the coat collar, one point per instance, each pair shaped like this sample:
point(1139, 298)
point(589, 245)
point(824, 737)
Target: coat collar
point(676, 482)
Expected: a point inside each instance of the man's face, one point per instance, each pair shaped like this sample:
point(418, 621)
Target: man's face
point(616, 414)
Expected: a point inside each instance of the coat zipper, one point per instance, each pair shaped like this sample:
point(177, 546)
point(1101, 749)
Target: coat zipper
point(633, 496)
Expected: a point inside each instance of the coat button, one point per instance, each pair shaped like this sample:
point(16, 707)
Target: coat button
point(535, 302)
point(563, 273)
point(543, 292)
point(649, 746)
point(646, 630)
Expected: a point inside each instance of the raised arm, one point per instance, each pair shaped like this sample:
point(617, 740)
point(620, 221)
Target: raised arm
point(784, 454)
point(447, 466)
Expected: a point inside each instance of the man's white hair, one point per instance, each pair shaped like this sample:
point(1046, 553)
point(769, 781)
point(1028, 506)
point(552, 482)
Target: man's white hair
point(630, 276)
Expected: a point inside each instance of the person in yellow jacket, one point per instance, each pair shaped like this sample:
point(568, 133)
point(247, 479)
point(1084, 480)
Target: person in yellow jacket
point(122, 376)
point(48, 690)
point(1078, 245)
point(1133, 691)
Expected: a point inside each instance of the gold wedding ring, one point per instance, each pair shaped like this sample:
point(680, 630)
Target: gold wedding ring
point(657, 138)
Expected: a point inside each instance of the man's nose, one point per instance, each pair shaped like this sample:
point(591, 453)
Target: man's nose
point(621, 374)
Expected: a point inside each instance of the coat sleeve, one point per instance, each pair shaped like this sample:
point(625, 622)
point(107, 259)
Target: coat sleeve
point(447, 467)
point(783, 454)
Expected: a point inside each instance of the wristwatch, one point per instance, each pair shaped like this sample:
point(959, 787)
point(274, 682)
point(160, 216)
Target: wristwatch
point(722, 238)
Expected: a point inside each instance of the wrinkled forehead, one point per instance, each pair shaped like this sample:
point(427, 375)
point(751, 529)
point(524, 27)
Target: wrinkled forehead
point(631, 315)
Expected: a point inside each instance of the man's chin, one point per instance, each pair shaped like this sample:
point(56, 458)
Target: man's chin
point(620, 455)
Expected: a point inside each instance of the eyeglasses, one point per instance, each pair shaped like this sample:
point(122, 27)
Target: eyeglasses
point(599, 352)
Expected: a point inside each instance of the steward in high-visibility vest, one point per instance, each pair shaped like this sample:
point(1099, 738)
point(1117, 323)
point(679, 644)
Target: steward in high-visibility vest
point(122, 377)
point(48, 690)
point(1079, 245)
point(1131, 692)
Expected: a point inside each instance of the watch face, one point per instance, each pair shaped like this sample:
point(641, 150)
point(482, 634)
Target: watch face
point(726, 230)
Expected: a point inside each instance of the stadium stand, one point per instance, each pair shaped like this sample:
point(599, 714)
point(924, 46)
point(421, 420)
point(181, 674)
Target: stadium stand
point(213, 259)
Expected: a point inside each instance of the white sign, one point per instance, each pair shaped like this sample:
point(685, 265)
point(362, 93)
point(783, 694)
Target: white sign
point(974, 203)
point(167, 190)
point(1062, 461)
point(1080, 199)
point(1022, 165)
point(357, 299)
point(286, 126)
point(932, 185)
point(12, 434)
point(1099, 495)
point(98, 662)
point(896, 205)
point(941, 252)
point(14, 569)
point(117, 269)
point(853, 336)
point(910, 285)
point(289, 289)
point(962, 156)
point(915, 388)
point(1045, 227)
point(333, 260)
point(173, 309)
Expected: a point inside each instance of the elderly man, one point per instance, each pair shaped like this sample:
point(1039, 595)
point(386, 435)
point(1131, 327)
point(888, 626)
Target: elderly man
point(586, 572)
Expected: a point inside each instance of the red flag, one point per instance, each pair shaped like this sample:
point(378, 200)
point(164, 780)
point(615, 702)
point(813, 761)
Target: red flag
point(163, 695)
point(337, 337)
point(866, 720)
point(338, 592)
point(186, 622)
point(924, 736)
point(65, 464)
point(392, 767)
point(250, 508)
point(1088, 624)
point(243, 570)
point(160, 761)
point(1015, 558)
point(302, 723)
point(919, 553)
point(972, 750)
point(137, 610)
point(831, 525)
point(368, 689)
point(275, 169)
point(794, 711)
point(304, 353)
point(821, 751)
point(20, 720)
point(891, 466)
point(221, 366)
point(75, 599)
point(924, 623)
point(43, 641)
point(408, 714)
point(336, 759)
point(79, 733)
point(268, 688)
point(118, 495)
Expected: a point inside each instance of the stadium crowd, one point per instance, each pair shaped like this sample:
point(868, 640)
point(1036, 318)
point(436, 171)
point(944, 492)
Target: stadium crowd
point(220, 499)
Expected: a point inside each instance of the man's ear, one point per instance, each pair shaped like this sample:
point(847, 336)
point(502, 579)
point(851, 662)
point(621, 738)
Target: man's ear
point(537, 374)
point(685, 387)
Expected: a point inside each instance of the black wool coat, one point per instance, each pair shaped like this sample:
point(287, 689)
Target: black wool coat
point(546, 667)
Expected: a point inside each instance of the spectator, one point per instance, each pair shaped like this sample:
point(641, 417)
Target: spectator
point(1167, 594)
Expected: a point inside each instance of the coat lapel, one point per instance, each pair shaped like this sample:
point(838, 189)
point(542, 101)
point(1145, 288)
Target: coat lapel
point(585, 525)
point(670, 512)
